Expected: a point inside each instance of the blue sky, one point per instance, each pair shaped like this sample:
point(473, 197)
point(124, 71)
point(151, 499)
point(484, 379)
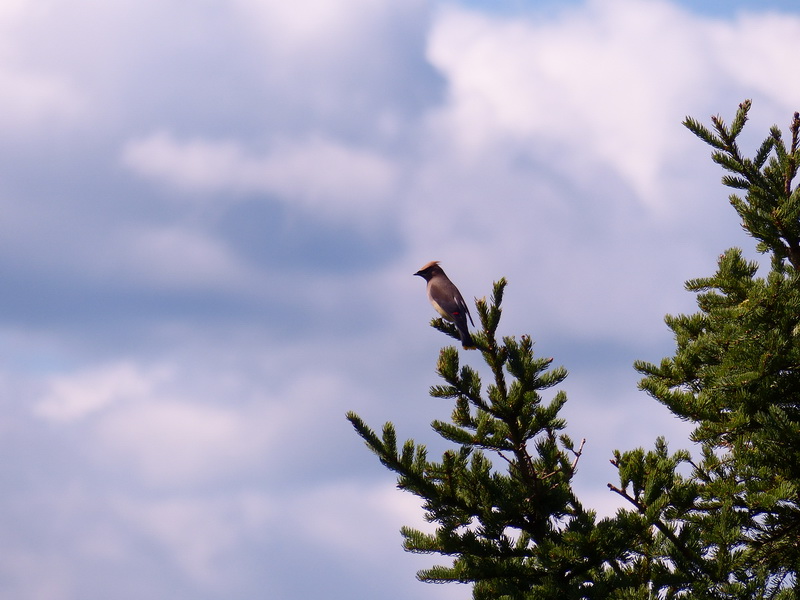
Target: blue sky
point(210, 217)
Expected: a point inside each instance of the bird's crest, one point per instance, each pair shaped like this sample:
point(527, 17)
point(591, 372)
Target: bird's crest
point(433, 263)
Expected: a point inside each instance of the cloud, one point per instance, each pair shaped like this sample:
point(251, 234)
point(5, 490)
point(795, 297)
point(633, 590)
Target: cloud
point(316, 24)
point(75, 396)
point(206, 274)
point(178, 258)
point(604, 85)
point(356, 513)
point(170, 442)
point(359, 62)
point(359, 531)
point(562, 135)
point(319, 175)
point(200, 535)
point(190, 419)
point(36, 102)
point(756, 51)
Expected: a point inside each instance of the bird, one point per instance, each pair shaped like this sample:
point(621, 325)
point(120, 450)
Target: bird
point(447, 300)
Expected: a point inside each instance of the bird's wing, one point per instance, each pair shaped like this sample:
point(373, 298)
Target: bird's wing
point(444, 294)
point(465, 309)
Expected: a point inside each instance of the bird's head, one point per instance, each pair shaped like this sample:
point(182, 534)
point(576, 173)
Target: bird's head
point(429, 270)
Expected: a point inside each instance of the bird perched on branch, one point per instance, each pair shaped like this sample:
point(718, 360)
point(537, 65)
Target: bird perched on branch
point(447, 300)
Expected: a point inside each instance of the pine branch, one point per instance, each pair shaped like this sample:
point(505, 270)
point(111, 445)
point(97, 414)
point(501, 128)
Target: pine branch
point(771, 209)
point(519, 528)
point(694, 561)
point(577, 454)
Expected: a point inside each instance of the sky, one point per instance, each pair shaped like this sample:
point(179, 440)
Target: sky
point(210, 214)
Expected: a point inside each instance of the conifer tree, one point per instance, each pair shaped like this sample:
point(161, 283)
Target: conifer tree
point(736, 377)
point(514, 530)
point(723, 525)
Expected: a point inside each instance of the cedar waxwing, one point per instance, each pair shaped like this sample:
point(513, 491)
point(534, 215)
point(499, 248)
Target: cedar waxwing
point(447, 300)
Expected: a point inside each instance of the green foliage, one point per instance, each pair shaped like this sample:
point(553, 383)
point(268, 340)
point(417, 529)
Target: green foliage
point(723, 525)
point(770, 211)
point(514, 531)
point(736, 370)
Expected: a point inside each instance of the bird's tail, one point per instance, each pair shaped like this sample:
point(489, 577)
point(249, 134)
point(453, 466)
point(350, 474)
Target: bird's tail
point(466, 340)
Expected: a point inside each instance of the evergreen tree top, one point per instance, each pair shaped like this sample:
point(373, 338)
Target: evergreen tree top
point(724, 524)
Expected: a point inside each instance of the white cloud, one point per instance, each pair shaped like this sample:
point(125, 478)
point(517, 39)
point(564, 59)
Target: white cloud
point(319, 175)
point(329, 39)
point(356, 516)
point(312, 24)
point(362, 522)
point(199, 419)
point(74, 396)
point(604, 85)
point(11, 8)
point(141, 418)
point(173, 441)
point(195, 165)
point(757, 51)
point(200, 535)
point(36, 99)
point(558, 158)
point(36, 102)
